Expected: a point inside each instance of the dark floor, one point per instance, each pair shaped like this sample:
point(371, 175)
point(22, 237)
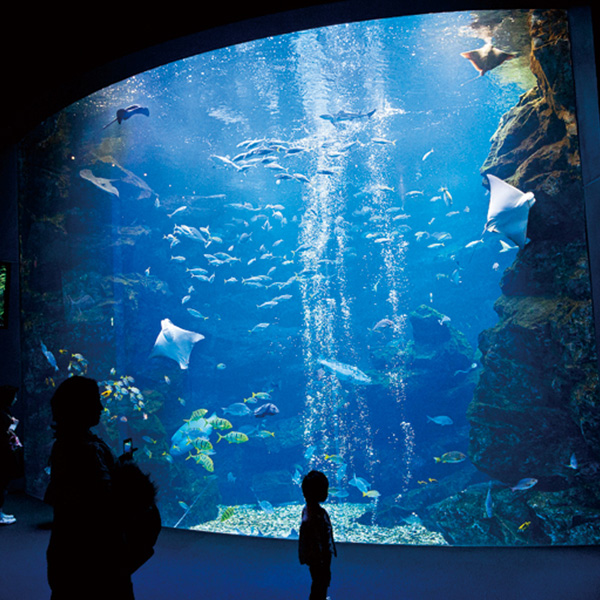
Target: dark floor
point(190, 565)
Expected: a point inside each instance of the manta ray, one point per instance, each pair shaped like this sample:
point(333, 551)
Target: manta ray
point(175, 343)
point(125, 113)
point(486, 58)
point(508, 211)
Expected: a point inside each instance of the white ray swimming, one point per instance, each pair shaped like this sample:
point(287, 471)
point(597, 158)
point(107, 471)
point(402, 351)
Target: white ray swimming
point(508, 211)
point(175, 343)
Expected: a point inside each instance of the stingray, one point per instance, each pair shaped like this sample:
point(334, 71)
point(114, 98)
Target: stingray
point(125, 113)
point(486, 58)
point(130, 178)
point(100, 182)
point(175, 343)
point(508, 211)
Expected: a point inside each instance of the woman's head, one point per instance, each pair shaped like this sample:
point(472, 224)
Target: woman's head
point(76, 404)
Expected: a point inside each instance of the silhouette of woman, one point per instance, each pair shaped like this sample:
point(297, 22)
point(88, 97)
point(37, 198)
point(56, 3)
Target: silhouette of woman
point(86, 550)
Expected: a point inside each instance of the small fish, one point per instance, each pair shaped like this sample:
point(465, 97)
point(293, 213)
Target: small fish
point(266, 506)
point(441, 420)
point(266, 410)
point(259, 327)
point(360, 483)
point(233, 437)
point(221, 366)
point(297, 477)
point(450, 457)
point(258, 396)
point(196, 415)
point(310, 451)
point(49, 356)
point(488, 502)
point(227, 513)
point(382, 141)
point(371, 494)
point(238, 409)
point(446, 196)
point(219, 423)
point(177, 210)
point(573, 462)
point(106, 393)
point(202, 445)
point(427, 155)
point(183, 505)
point(335, 459)
point(524, 484)
point(195, 313)
point(205, 461)
point(524, 526)
point(263, 433)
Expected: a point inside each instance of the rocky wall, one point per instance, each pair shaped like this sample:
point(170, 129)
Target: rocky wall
point(534, 412)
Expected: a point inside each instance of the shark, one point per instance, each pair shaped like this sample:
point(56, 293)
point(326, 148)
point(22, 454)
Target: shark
point(345, 372)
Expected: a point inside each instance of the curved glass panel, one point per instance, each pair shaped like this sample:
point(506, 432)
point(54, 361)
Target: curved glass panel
point(283, 256)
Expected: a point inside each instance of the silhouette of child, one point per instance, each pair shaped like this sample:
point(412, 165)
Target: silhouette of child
point(316, 545)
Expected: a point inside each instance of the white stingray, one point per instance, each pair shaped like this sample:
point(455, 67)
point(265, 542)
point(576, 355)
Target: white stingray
point(175, 343)
point(508, 211)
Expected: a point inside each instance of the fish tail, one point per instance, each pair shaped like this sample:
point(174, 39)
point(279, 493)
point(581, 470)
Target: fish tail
point(437, 459)
point(220, 437)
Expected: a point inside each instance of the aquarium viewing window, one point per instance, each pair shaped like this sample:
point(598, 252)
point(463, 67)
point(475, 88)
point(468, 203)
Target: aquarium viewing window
point(360, 249)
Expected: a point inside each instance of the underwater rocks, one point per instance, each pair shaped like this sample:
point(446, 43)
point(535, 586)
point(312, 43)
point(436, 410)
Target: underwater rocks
point(436, 346)
point(536, 401)
point(498, 516)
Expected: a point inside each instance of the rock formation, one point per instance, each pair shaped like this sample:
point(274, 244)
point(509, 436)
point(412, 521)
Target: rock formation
point(536, 403)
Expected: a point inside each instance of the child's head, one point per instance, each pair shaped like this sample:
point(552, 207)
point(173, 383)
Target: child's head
point(315, 487)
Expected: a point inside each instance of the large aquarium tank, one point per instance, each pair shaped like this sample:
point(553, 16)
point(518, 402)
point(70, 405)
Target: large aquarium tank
point(359, 249)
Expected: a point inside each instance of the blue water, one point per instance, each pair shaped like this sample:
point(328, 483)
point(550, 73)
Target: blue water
point(373, 224)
